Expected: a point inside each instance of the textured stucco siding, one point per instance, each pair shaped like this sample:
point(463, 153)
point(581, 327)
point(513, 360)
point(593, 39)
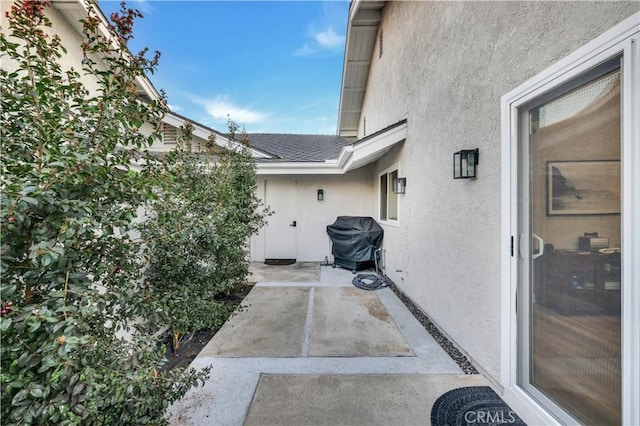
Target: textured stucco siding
point(344, 195)
point(444, 67)
point(69, 38)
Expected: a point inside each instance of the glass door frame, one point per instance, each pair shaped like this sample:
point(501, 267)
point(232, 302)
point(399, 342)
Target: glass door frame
point(624, 39)
point(528, 234)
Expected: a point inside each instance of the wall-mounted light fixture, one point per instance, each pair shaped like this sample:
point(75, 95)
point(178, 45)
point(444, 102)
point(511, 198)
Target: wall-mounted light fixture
point(465, 163)
point(320, 194)
point(399, 185)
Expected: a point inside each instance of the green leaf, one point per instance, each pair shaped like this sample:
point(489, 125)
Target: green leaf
point(24, 359)
point(5, 323)
point(30, 200)
point(19, 397)
point(36, 393)
point(7, 291)
point(78, 389)
point(28, 190)
point(46, 260)
point(34, 326)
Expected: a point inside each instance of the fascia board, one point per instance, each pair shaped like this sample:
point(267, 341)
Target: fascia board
point(345, 155)
point(148, 87)
point(372, 149)
point(292, 168)
point(355, 6)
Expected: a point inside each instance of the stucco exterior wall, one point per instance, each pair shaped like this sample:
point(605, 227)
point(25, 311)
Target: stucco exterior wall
point(69, 37)
point(444, 67)
point(344, 195)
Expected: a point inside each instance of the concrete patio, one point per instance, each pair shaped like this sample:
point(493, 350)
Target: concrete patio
point(309, 348)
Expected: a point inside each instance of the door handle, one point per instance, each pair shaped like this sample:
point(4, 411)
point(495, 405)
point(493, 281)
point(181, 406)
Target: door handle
point(523, 246)
point(293, 224)
point(541, 244)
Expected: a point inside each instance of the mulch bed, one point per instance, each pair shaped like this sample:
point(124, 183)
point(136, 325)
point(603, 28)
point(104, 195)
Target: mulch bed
point(192, 347)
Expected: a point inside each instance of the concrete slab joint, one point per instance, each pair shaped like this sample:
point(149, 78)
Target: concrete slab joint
point(320, 352)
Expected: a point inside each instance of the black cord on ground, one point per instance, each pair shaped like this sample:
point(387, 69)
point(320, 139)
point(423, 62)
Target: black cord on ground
point(370, 281)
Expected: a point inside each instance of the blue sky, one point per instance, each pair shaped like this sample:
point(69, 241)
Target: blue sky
point(272, 66)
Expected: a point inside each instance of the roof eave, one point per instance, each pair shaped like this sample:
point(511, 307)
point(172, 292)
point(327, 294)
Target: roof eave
point(359, 154)
point(362, 29)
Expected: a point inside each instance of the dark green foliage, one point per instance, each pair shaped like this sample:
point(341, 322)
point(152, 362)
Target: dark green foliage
point(70, 270)
point(198, 234)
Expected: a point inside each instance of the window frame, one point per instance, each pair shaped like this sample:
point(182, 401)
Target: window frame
point(394, 168)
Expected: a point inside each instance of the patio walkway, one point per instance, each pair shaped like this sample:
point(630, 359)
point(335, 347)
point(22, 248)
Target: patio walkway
point(309, 348)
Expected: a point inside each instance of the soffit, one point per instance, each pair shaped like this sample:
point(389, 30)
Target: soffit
point(364, 18)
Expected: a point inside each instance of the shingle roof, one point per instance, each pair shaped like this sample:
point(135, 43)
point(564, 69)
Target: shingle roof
point(299, 148)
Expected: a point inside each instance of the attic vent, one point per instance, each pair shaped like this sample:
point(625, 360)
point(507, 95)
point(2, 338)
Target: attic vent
point(169, 134)
point(364, 126)
point(380, 43)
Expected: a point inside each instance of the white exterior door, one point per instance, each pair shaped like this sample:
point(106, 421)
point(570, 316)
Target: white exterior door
point(280, 233)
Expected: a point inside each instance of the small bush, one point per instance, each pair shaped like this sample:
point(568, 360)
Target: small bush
point(197, 236)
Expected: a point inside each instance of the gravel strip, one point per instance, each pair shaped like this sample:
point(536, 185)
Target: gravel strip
point(463, 362)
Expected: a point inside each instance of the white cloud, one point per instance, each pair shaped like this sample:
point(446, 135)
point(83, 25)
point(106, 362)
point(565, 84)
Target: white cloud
point(305, 50)
point(221, 109)
point(329, 39)
point(326, 39)
point(142, 5)
point(322, 35)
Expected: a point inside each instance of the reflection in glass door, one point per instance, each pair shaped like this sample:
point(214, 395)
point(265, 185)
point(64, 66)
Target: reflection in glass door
point(571, 356)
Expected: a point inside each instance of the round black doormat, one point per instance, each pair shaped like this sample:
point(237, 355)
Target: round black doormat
point(279, 262)
point(473, 405)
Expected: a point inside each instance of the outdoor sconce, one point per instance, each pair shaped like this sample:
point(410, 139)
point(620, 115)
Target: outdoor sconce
point(320, 194)
point(399, 185)
point(465, 163)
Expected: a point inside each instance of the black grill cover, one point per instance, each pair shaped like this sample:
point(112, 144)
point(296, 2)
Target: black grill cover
point(355, 240)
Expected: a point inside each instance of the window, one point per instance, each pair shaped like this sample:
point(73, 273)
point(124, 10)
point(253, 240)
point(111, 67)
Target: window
point(388, 199)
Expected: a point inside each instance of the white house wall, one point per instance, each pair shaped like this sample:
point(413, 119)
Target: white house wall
point(350, 194)
point(69, 37)
point(444, 67)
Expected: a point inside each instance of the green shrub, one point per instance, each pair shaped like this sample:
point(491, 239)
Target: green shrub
point(70, 270)
point(198, 232)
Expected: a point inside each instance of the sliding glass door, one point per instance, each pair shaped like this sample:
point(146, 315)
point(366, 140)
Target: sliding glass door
point(570, 225)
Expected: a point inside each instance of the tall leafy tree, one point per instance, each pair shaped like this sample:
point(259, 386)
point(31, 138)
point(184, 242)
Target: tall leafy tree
point(70, 268)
